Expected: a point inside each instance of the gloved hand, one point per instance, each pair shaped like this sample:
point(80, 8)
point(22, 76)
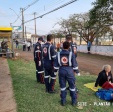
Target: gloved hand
point(39, 63)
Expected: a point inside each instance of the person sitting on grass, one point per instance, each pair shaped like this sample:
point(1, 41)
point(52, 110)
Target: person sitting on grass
point(105, 78)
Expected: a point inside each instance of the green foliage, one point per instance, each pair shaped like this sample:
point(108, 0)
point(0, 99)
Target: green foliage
point(101, 13)
point(31, 97)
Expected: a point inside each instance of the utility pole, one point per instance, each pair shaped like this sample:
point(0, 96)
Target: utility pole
point(25, 32)
point(22, 10)
point(35, 24)
point(12, 40)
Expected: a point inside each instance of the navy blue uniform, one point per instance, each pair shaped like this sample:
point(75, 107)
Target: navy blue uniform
point(73, 48)
point(65, 62)
point(49, 55)
point(38, 62)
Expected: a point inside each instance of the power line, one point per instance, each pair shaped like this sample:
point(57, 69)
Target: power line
point(72, 1)
point(30, 5)
point(17, 19)
point(24, 10)
point(56, 3)
point(53, 3)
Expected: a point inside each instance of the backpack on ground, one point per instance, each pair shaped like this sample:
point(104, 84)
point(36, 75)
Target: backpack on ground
point(105, 94)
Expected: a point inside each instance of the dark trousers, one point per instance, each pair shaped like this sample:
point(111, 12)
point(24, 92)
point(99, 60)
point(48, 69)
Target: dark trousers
point(63, 78)
point(29, 49)
point(17, 46)
point(24, 47)
point(88, 49)
point(50, 79)
point(39, 72)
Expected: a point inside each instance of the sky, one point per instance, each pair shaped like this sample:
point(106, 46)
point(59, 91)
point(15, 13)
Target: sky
point(10, 11)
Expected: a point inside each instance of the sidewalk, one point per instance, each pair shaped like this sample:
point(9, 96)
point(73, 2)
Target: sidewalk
point(7, 102)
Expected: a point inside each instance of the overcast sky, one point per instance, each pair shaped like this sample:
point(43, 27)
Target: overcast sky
point(45, 24)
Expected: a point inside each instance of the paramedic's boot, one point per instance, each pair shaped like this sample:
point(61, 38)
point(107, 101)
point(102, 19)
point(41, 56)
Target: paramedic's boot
point(74, 103)
point(63, 103)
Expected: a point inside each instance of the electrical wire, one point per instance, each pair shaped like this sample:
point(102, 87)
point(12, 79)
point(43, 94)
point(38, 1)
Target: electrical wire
point(30, 5)
point(50, 5)
point(70, 2)
point(24, 10)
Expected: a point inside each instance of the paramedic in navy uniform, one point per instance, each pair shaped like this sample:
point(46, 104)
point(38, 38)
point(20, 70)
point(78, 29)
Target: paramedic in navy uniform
point(73, 48)
point(49, 55)
point(65, 62)
point(38, 61)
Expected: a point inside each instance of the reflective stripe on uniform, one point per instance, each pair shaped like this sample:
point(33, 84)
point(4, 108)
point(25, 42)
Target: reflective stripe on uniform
point(49, 52)
point(70, 56)
point(72, 89)
point(56, 68)
point(53, 77)
point(46, 76)
point(76, 68)
point(59, 58)
point(54, 56)
point(73, 45)
point(55, 73)
point(41, 72)
point(38, 51)
point(63, 89)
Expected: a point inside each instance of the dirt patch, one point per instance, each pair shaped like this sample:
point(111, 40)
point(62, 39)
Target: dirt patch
point(7, 102)
point(93, 63)
point(88, 63)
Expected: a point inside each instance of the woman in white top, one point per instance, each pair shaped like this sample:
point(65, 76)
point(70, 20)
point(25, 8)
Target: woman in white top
point(28, 46)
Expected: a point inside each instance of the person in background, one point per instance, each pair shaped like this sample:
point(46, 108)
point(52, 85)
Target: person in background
point(30, 43)
point(24, 45)
point(66, 63)
point(105, 78)
point(61, 45)
point(17, 44)
point(58, 46)
point(49, 55)
point(29, 46)
point(89, 46)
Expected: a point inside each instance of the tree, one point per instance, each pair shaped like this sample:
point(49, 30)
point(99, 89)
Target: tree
point(101, 16)
point(91, 25)
point(79, 23)
point(101, 13)
point(65, 25)
point(57, 34)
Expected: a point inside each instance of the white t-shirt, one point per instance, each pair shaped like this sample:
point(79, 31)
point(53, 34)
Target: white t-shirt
point(28, 44)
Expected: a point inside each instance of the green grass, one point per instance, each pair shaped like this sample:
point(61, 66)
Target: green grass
point(31, 97)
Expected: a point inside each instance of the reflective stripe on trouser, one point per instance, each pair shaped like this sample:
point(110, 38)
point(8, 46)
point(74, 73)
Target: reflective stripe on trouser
point(52, 82)
point(46, 80)
point(49, 73)
point(73, 94)
point(62, 83)
point(39, 70)
point(71, 81)
point(41, 77)
point(63, 94)
point(37, 76)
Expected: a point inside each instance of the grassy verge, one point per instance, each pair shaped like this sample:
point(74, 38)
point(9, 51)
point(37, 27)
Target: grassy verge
point(31, 97)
